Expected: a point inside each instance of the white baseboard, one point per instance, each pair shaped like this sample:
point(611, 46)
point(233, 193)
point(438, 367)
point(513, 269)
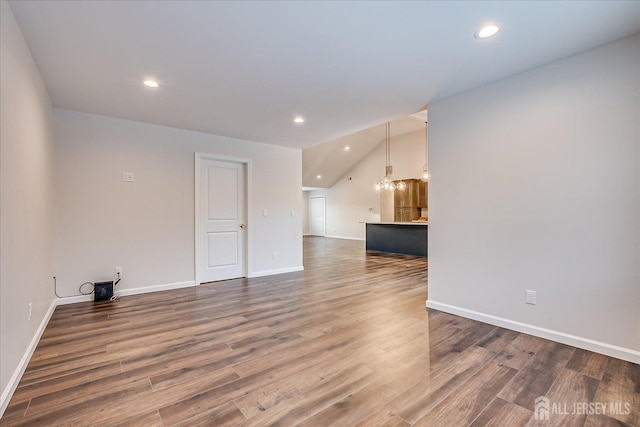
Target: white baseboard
point(618, 352)
point(346, 238)
point(74, 299)
point(156, 288)
point(129, 291)
point(7, 393)
point(276, 271)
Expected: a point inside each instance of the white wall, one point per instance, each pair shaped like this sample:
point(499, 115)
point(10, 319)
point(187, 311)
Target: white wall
point(305, 212)
point(26, 202)
point(349, 200)
point(535, 185)
point(147, 226)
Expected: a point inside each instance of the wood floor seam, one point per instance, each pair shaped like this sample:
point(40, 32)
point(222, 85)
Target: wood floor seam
point(347, 341)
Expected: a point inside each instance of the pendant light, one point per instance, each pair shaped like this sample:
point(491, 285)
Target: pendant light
point(401, 185)
point(387, 183)
point(425, 168)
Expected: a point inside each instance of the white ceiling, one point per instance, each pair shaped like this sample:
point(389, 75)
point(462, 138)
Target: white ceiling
point(244, 69)
point(331, 161)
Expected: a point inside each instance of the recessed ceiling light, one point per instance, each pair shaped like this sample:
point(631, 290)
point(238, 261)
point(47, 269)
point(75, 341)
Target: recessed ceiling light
point(486, 31)
point(347, 148)
point(299, 119)
point(319, 177)
point(150, 83)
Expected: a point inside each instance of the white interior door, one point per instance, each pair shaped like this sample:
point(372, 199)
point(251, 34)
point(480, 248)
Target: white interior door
point(316, 216)
point(222, 219)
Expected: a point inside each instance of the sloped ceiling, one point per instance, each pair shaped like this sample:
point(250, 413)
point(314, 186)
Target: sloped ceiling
point(324, 164)
point(244, 69)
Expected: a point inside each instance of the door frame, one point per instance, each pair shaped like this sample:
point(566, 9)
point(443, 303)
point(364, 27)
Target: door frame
point(248, 253)
point(324, 232)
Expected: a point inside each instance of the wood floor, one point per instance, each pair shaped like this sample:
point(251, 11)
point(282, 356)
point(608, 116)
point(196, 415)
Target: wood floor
point(346, 342)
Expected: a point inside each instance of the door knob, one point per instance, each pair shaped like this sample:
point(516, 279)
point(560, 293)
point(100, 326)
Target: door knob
point(241, 225)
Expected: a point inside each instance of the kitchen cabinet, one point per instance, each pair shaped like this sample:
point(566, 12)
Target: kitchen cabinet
point(408, 202)
point(407, 197)
point(423, 194)
point(406, 214)
point(408, 238)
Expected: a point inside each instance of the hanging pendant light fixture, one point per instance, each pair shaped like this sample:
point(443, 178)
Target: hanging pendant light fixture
point(401, 185)
point(425, 168)
point(387, 183)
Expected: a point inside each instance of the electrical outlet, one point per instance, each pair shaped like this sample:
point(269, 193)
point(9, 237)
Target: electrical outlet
point(530, 297)
point(118, 271)
point(127, 176)
point(274, 255)
point(30, 310)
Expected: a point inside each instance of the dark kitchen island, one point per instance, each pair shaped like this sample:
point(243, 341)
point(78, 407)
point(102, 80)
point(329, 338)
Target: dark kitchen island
point(407, 238)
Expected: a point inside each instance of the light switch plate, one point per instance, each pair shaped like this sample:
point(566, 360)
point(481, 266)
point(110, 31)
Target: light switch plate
point(530, 297)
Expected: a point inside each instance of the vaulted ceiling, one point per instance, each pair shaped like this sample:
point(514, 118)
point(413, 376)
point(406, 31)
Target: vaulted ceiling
point(244, 69)
point(324, 164)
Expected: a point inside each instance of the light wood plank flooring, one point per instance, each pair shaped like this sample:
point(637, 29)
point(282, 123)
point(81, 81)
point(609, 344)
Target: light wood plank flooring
point(346, 342)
